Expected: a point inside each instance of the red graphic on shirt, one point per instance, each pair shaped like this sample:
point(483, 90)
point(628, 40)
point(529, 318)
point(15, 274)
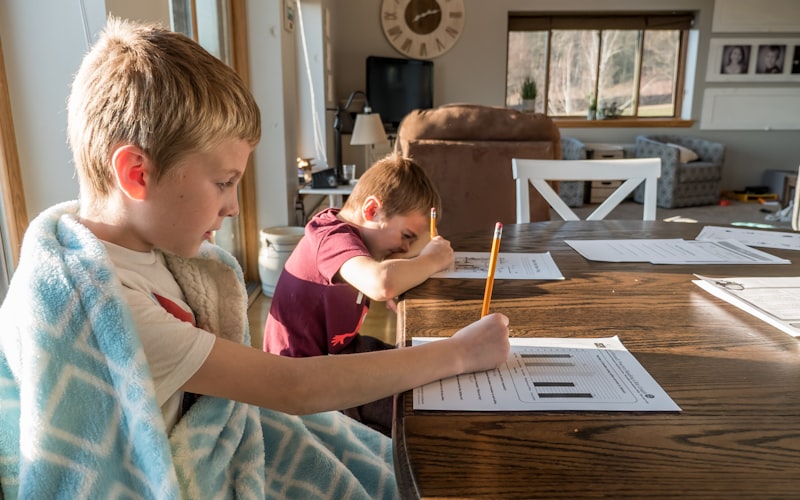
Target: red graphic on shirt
point(175, 310)
point(342, 337)
point(339, 339)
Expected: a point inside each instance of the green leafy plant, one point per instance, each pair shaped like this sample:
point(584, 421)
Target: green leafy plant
point(591, 99)
point(528, 90)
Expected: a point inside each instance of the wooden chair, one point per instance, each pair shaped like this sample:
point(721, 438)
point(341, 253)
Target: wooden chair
point(634, 171)
point(796, 207)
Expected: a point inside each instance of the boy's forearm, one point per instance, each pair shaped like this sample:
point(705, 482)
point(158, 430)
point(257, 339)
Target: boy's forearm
point(357, 379)
point(402, 275)
point(320, 383)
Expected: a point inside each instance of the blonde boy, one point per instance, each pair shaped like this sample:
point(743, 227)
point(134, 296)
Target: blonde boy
point(161, 132)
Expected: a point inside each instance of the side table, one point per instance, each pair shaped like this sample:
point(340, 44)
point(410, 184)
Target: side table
point(335, 196)
point(789, 185)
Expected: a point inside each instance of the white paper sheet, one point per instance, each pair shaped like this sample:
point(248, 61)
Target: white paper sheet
point(672, 251)
point(551, 374)
point(774, 300)
point(752, 237)
point(520, 266)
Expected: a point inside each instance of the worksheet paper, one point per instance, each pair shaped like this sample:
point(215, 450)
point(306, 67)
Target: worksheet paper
point(672, 251)
point(513, 266)
point(752, 237)
point(543, 374)
point(774, 300)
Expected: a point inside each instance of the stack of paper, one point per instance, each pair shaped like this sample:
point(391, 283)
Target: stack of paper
point(515, 266)
point(544, 374)
point(673, 251)
point(774, 300)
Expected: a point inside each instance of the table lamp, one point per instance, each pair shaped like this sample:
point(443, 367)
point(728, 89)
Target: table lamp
point(367, 130)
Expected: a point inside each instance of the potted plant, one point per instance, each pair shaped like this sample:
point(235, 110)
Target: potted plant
point(591, 112)
point(528, 94)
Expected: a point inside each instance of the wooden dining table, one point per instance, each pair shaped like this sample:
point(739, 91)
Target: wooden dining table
point(735, 378)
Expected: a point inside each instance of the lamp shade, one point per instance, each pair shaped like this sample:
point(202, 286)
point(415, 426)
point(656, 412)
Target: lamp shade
point(368, 130)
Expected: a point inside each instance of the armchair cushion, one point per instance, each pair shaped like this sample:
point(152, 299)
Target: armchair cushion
point(683, 184)
point(685, 155)
point(467, 149)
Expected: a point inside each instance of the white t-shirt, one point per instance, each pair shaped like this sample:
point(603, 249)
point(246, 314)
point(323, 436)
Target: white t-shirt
point(174, 348)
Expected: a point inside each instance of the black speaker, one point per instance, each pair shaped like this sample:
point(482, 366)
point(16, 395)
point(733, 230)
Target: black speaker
point(324, 179)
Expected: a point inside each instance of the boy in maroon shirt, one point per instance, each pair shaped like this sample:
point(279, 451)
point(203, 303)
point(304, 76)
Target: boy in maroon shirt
point(375, 248)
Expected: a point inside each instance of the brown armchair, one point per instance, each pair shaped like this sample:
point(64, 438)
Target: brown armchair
point(467, 149)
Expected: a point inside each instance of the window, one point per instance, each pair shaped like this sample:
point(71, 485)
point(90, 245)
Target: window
point(626, 65)
point(219, 26)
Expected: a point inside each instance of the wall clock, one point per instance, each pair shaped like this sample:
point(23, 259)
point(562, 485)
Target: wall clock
point(422, 29)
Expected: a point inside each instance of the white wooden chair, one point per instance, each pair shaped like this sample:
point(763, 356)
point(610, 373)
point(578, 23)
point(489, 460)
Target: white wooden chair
point(795, 207)
point(633, 171)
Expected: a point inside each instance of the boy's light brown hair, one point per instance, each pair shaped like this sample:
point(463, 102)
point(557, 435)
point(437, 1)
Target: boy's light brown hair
point(401, 184)
point(156, 89)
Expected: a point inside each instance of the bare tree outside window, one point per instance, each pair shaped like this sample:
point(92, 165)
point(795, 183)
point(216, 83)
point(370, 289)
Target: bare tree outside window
point(631, 72)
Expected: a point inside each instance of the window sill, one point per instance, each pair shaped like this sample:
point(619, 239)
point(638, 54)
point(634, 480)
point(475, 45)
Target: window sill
point(623, 123)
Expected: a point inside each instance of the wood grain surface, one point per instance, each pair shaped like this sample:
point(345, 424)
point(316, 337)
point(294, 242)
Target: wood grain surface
point(736, 379)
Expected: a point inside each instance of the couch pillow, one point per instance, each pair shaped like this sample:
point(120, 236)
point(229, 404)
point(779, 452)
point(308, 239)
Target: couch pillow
point(686, 154)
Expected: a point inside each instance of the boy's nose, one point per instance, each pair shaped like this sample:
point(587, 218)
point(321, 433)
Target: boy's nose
point(231, 209)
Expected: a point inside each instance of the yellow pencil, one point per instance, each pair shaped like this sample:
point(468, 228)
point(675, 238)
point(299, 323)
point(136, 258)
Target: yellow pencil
point(487, 294)
point(433, 222)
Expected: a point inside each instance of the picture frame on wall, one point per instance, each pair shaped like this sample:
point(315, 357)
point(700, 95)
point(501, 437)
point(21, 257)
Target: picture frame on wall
point(289, 15)
point(753, 60)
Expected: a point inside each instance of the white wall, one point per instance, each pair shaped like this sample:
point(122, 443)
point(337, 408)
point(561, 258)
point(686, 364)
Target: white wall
point(474, 70)
point(44, 42)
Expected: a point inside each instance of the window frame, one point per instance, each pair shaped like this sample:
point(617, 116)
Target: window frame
point(683, 21)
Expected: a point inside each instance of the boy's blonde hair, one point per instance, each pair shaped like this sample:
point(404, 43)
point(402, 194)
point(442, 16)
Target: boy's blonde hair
point(401, 185)
point(158, 90)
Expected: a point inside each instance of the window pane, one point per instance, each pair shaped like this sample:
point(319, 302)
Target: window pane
point(617, 88)
point(659, 71)
point(527, 56)
point(573, 70)
point(615, 62)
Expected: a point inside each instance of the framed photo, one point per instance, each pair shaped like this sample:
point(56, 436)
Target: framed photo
point(796, 60)
point(289, 14)
point(753, 60)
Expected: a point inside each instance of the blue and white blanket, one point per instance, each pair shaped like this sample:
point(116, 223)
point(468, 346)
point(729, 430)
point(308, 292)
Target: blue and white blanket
point(78, 413)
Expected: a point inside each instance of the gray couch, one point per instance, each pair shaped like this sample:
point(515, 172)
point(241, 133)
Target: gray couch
point(572, 191)
point(683, 184)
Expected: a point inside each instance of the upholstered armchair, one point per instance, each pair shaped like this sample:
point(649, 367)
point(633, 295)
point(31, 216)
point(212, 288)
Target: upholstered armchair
point(691, 169)
point(467, 149)
point(572, 191)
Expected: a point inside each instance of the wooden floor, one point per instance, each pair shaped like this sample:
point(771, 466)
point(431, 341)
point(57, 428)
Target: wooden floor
point(380, 322)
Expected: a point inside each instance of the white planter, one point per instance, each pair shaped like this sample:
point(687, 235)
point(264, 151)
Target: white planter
point(529, 105)
point(277, 243)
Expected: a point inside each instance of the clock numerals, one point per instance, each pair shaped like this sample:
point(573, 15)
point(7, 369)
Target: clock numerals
point(394, 32)
point(422, 28)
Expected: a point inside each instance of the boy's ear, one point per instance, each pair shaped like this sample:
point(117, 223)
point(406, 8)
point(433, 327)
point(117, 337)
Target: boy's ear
point(370, 208)
point(131, 166)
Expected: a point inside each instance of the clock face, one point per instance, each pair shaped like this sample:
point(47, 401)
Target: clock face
point(422, 29)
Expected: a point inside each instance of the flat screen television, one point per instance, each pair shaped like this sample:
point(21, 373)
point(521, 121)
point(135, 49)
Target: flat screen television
point(396, 87)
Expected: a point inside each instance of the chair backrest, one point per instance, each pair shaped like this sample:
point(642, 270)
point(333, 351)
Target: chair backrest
point(796, 207)
point(633, 171)
point(466, 150)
